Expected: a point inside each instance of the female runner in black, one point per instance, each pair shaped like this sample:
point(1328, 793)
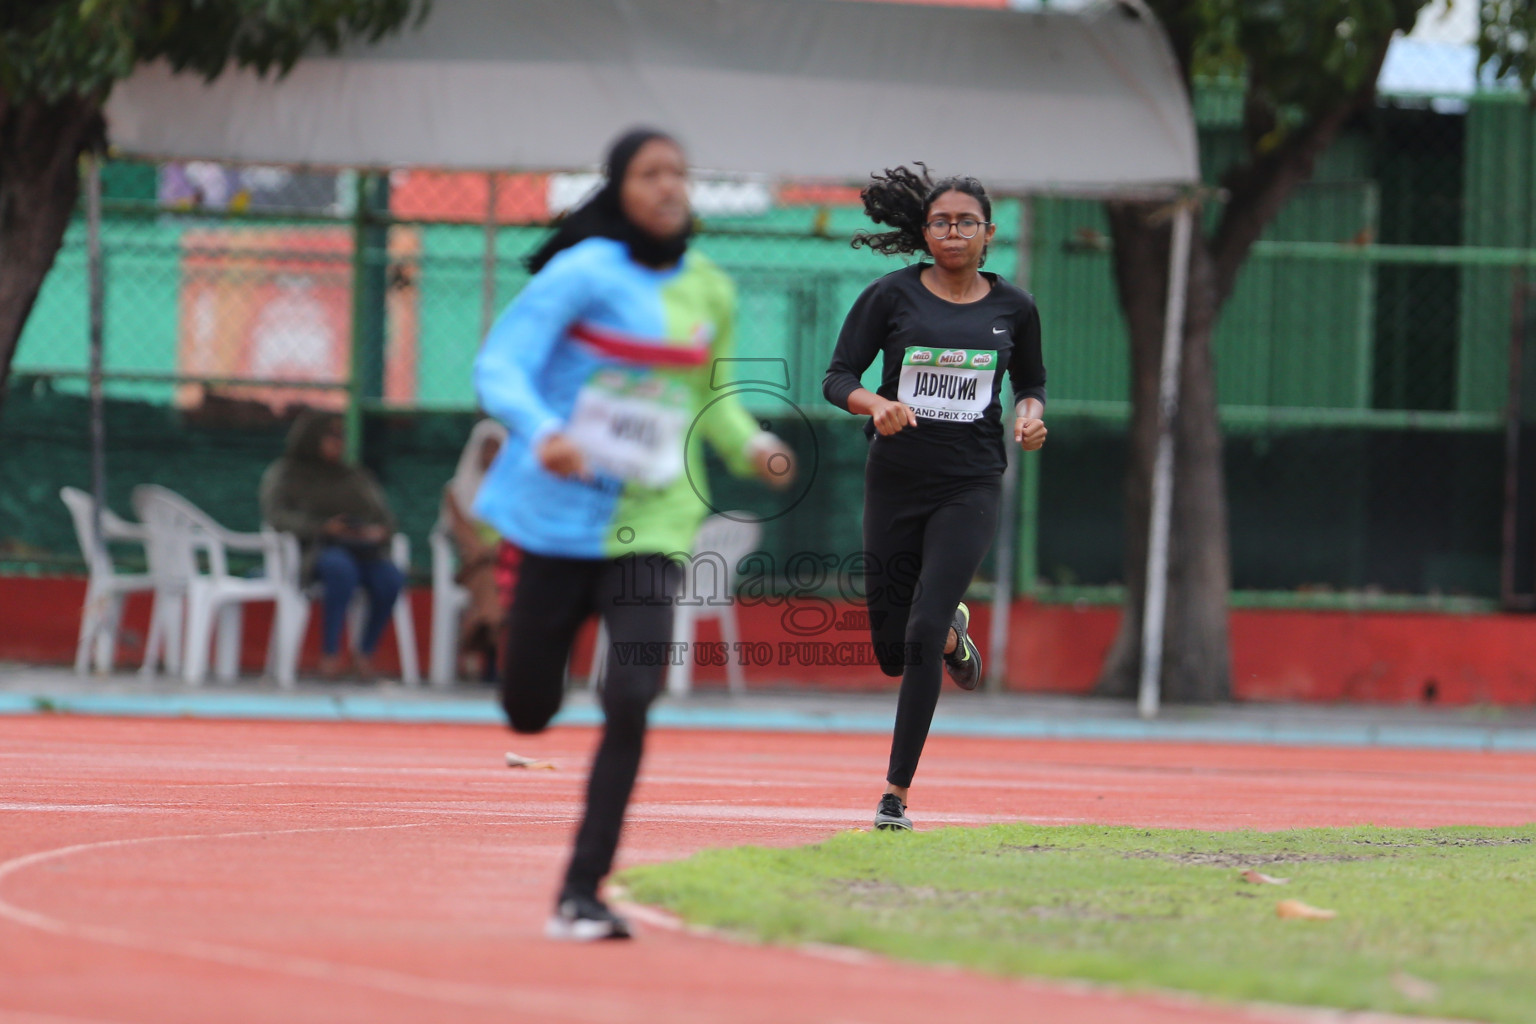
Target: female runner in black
point(946, 331)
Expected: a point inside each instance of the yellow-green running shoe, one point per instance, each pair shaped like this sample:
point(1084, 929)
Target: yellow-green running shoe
point(964, 663)
point(892, 815)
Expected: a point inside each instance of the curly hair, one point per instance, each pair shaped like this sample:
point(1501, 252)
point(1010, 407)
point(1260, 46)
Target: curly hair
point(901, 198)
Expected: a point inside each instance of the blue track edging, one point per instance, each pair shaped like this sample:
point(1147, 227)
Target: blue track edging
point(320, 708)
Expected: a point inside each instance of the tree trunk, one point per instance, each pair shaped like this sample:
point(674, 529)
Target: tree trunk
point(1196, 663)
point(40, 148)
point(1196, 659)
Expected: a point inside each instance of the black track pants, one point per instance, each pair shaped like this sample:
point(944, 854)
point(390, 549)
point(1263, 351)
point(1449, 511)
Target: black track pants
point(551, 599)
point(925, 535)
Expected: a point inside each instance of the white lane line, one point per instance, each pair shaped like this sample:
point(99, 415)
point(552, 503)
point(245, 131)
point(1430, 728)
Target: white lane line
point(481, 804)
point(566, 812)
point(749, 814)
point(665, 921)
point(156, 808)
point(497, 810)
point(28, 1017)
point(549, 1003)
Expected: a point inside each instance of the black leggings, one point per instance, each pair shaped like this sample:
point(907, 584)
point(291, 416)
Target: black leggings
point(551, 598)
point(925, 535)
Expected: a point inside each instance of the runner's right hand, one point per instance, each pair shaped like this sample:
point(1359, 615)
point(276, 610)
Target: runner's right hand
point(892, 417)
point(559, 454)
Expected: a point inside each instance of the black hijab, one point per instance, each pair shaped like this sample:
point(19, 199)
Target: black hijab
point(603, 216)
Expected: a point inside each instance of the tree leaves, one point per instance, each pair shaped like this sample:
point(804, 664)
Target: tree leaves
point(1504, 39)
point(52, 49)
point(1301, 58)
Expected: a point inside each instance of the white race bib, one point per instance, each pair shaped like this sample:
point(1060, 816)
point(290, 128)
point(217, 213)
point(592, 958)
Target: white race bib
point(947, 384)
point(631, 425)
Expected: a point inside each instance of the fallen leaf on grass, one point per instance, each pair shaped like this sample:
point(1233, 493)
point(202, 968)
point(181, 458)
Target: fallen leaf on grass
point(1417, 989)
point(1297, 910)
point(519, 761)
point(1260, 878)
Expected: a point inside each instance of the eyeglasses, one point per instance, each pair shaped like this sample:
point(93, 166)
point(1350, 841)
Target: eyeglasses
point(965, 227)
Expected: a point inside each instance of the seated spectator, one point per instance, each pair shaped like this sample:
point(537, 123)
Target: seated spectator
point(344, 526)
point(477, 548)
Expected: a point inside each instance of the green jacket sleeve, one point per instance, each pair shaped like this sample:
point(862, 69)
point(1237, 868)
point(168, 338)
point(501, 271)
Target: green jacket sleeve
point(726, 424)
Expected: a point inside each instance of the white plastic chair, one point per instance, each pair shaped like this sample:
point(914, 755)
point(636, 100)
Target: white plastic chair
point(181, 537)
point(707, 591)
point(298, 595)
point(449, 600)
point(105, 587)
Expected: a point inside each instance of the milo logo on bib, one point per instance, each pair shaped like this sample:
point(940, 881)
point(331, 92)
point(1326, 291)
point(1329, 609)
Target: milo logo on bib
point(630, 424)
point(957, 386)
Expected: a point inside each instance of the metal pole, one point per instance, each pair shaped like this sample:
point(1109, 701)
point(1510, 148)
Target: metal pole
point(98, 399)
point(1002, 590)
point(352, 416)
point(370, 268)
point(1028, 564)
point(1514, 415)
point(1008, 514)
point(488, 261)
point(1154, 612)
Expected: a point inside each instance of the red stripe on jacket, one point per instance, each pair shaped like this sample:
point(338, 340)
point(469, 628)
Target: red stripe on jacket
point(631, 349)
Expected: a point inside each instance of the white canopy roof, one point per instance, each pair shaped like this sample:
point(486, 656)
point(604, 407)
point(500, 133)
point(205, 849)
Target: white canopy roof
point(828, 89)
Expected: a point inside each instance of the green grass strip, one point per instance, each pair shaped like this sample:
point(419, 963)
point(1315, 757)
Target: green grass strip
point(1438, 921)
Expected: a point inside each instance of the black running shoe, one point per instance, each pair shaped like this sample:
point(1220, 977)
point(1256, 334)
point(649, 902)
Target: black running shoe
point(892, 815)
point(584, 919)
point(964, 663)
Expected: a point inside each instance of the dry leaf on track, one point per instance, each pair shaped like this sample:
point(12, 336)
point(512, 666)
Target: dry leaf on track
point(519, 761)
point(1260, 878)
point(1297, 910)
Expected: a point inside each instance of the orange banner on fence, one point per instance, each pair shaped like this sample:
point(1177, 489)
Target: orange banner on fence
point(275, 304)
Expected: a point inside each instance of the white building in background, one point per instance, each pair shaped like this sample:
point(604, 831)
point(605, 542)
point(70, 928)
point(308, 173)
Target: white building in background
point(1438, 59)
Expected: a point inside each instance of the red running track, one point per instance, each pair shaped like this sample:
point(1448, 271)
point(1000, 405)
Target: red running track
point(170, 871)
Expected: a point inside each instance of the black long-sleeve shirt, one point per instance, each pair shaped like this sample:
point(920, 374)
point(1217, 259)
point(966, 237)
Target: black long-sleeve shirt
point(945, 361)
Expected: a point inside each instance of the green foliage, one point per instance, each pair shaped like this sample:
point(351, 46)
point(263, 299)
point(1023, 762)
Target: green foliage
point(1438, 921)
point(1302, 58)
point(1504, 40)
point(1308, 57)
point(53, 49)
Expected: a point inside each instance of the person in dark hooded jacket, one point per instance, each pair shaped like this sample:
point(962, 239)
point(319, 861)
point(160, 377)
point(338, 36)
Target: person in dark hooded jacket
point(343, 523)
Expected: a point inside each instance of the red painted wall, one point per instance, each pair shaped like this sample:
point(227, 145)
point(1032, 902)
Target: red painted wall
point(1277, 655)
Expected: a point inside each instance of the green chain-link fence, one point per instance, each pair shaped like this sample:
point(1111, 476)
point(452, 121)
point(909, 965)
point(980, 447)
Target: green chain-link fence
point(1363, 362)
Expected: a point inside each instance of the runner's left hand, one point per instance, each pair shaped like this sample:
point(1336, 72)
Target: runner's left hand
point(774, 463)
point(1029, 433)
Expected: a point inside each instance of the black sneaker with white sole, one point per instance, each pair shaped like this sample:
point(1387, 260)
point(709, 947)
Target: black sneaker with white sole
point(964, 662)
point(580, 918)
point(892, 814)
